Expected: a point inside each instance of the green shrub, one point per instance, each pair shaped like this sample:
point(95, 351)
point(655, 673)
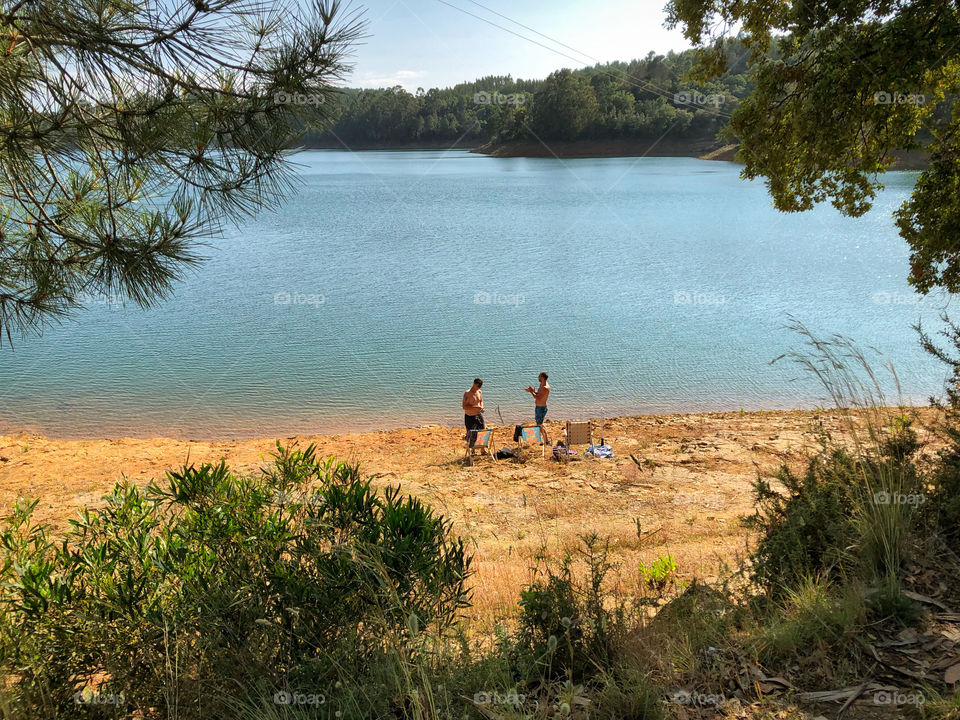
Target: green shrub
point(945, 496)
point(690, 641)
point(177, 595)
point(944, 479)
point(851, 518)
point(702, 616)
point(567, 628)
point(807, 529)
point(847, 516)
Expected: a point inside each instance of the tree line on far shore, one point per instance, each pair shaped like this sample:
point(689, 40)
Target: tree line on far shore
point(640, 99)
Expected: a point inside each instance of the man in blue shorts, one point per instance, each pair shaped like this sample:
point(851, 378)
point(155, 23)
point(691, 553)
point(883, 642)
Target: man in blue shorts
point(540, 401)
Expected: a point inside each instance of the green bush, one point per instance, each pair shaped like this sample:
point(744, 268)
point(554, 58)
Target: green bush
point(843, 517)
point(944, 507)
point(806, 529)
point(178, 596)
point(945, 498)
point(701, 616)
point(568, 628)
point(852, 517)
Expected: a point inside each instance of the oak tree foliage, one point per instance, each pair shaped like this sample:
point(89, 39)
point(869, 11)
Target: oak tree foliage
point(840, 86)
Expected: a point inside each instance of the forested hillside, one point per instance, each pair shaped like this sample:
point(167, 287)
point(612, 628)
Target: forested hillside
point(637, 100)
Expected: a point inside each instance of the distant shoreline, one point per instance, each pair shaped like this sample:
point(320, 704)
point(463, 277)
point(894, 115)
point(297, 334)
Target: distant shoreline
point(562, 149)
point(602, 148)
point(700, 149)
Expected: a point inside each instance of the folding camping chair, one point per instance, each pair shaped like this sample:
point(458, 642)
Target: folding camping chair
point(576, 433)
point(483, 441)
point(532, 434)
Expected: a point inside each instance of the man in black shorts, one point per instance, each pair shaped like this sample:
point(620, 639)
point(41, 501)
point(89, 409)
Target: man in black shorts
point(473, 411)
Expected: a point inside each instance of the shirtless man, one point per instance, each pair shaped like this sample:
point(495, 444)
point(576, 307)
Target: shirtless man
point(540, 401)
point(473, 411)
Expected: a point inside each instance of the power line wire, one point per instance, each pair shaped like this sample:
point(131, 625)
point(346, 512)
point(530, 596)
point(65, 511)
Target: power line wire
point(650, 87)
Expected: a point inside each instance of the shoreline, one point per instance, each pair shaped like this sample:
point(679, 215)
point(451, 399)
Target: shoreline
point(163, 430)
point(904, 161)
point(565, 149)
point(629, 147)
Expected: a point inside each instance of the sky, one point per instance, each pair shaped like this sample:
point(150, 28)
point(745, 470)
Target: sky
point(432, 43)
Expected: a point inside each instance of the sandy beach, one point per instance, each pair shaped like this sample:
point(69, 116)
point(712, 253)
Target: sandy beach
point(678, 485)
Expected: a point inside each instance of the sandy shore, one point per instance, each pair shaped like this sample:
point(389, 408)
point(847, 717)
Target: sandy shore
point(686, 495)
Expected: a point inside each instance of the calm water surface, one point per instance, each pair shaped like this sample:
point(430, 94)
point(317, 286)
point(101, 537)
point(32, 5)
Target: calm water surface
point(390, 279)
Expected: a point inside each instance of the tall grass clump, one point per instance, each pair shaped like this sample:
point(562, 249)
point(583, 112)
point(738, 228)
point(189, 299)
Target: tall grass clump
point(852, 515)
point(813, 628)
point(176, 599)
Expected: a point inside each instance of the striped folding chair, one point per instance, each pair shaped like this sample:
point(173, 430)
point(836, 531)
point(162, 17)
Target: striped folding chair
point(483, 442)
point(578, 433)
point(575, 433)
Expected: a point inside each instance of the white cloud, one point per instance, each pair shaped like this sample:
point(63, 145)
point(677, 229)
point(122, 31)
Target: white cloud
point(405, 78)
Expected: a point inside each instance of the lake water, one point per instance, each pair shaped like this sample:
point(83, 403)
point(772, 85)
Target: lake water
point(389, 280)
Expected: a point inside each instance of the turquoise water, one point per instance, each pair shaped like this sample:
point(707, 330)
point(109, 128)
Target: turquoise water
point(390, 279)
